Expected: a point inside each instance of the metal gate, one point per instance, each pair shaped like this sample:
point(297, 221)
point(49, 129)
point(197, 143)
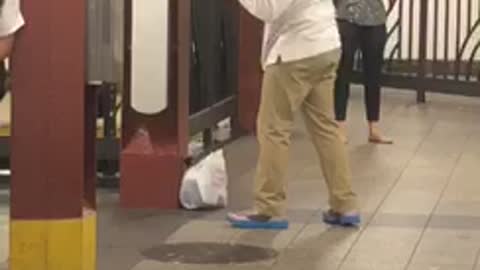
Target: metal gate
point(213, 66)
point(433, 45)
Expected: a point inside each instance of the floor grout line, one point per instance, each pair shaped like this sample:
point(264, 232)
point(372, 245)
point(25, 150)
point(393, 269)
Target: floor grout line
point(437, 203)
point(477, 260)
point(295, 237)
point(388, 193)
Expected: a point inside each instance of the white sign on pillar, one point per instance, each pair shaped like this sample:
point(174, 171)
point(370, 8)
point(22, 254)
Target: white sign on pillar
point(149, 56)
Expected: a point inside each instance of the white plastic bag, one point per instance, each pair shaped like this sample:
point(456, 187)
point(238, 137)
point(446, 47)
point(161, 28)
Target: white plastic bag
point(223, 132)
point(205, 184)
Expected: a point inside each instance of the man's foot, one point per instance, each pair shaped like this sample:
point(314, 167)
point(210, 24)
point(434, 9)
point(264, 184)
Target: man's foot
point(345, 220)
point(254, 221)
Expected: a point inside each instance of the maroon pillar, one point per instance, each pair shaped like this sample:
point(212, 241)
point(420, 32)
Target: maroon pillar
point(155, 147)
point(52, 141)
point(52, 157)
point(249, 69)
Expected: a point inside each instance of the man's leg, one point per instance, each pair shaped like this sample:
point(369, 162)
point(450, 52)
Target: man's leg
point(282, 93)
point(317, 109)
point(274, 125)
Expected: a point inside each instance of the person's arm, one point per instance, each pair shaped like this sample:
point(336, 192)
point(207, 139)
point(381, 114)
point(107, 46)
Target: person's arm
point(6, 46)
point(335, 3)
point(11, 20)
point(266, 10)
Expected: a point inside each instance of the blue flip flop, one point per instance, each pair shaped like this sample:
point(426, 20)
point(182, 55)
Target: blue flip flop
point(335, 219)
point(250, 222)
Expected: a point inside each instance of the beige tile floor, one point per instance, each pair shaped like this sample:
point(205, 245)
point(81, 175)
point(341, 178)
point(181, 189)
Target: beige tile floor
point(420, 199)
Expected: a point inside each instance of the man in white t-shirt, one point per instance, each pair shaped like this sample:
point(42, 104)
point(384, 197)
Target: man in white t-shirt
point(300, 56)
point(11, 20)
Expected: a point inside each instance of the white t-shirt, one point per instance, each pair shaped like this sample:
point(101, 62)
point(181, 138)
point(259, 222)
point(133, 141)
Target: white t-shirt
point(295, 29)
point(11, 19)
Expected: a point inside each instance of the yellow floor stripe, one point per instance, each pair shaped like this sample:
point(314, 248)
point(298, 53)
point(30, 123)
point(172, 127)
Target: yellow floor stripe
point(54, 244)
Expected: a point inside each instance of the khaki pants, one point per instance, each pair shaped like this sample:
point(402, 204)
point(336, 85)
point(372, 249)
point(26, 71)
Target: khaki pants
point(305, 85)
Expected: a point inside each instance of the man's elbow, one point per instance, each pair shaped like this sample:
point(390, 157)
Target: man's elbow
point(6, 46)
point(255, 11)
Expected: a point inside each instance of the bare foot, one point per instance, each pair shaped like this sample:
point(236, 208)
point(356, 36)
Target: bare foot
point(377, 137)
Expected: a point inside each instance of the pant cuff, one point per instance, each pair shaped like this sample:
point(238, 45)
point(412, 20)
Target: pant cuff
point(344, 206)
point(269, 210)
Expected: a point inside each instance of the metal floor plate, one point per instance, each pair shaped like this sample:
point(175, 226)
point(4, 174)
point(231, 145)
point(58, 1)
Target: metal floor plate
point(208, 253)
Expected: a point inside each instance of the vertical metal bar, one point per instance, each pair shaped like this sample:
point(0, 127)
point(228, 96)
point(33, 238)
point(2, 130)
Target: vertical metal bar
point(422, 55)
point(400, 29)
point(435, 39)
point(231, 36)
point(207, 139)
point(458, 55)
point(110, 127)
point(410, 30)
point(108, 102)
point(447, 36)
point(90, 159)
point(469, 15)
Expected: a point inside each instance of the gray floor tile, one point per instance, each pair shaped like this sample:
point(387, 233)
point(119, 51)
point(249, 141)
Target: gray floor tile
point(384, 245)
point(325, 245)
point(118, 258)
point(455, 222)
point(458, 207)
point(306, 259)
point(152, 265)
point(447, 247)
point(203, 231)
point(440, 267)
point(277, 240)
point(410, 202)
point(372, 266)
point(400, 220)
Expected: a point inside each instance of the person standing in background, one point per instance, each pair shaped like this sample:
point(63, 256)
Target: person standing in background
point(300, 55)
point(362, 26)
point(11, 20)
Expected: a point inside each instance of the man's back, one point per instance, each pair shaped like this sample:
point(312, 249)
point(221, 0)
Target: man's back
point(295, 29)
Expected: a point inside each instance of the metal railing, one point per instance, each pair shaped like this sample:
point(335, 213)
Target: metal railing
point(433, 45)
point(213, 67)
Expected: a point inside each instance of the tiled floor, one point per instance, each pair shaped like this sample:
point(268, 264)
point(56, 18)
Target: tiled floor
point(420, 199)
